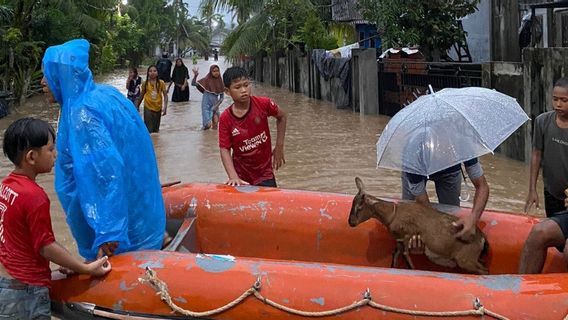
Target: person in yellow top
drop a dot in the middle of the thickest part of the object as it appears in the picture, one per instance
(155, 95)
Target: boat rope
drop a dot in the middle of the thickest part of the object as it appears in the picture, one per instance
(151, 278)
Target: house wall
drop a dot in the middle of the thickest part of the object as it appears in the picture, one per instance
(297, 73)
(478, 28)
(508, 78)
(367, 36)
(529, 82)
(505, 24)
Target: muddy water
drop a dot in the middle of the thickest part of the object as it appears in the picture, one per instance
(325, 149)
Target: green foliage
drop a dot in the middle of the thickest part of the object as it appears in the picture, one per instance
(248, 38)
(314, 35)
(344, 33)
(430, 24)
(273, 25)
(119, 34)
(54, 27)
(12, 36)
(126, 38)
(108, 58)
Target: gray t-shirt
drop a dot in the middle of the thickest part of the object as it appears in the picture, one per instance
(553, 142)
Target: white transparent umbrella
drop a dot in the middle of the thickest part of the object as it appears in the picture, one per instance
(448, 127)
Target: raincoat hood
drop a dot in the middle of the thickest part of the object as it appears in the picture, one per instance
(66, 69)
(106, 174)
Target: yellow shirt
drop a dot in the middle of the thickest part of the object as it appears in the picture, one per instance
(153, 97)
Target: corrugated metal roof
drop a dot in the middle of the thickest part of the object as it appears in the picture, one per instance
(345, 11)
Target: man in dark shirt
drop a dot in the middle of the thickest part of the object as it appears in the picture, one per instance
(164, 66)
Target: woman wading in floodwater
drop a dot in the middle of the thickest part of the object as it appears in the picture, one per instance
(212, 88)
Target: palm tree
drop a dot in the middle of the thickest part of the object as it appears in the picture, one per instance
(243, 9)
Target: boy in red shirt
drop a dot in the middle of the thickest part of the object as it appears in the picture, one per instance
(243, 129)
(27, 243)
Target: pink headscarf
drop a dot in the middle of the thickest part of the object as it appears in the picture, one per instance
(212, 84)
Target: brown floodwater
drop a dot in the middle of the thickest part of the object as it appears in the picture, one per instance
(325, 149)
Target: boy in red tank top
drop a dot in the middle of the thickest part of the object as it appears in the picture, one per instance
(244, 135)
(27, 243)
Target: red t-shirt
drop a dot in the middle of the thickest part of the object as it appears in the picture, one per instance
(249, 138)
(25, 228)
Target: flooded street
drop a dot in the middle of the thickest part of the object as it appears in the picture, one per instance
(325, 149)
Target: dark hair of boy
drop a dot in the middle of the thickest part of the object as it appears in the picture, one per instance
(562, 82)
(232, 74)
(26, 134)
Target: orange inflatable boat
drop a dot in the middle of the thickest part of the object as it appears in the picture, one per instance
(263, 253)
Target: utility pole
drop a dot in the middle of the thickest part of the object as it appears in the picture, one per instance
(178, 6)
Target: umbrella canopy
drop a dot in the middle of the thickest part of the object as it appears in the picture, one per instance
(448, 127)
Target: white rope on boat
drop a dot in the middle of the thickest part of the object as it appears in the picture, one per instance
(161, 288)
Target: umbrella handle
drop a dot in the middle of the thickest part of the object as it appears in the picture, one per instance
(467, 189)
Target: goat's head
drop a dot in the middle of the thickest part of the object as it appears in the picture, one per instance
(361, 208)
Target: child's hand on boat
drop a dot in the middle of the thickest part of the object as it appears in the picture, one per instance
(236, 182)
(99, 267)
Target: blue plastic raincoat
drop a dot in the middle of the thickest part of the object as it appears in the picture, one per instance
(106, 175)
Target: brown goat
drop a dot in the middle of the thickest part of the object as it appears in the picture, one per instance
(406, 219)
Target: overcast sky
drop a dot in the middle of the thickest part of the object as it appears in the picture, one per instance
(194, 10)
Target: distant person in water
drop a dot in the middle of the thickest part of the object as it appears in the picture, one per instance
(133, 85)
(155, 98)
(213, 93)
(244, 135)
(179, 80)
(164, 65)
(106, 174)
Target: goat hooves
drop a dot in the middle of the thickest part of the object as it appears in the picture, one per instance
(400, 248)
(395, 256)
(408, 260)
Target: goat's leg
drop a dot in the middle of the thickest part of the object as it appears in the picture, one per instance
(468, 259)
(396, 253)
(407, 258)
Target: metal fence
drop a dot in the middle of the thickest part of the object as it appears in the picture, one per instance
(401, 82)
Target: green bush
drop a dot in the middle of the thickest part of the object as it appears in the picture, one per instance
(108, 59)
(314, 34)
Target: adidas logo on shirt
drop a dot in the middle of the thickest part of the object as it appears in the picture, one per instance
(235, 132)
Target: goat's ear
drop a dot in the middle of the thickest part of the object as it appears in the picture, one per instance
(359, 184)
(370, 200)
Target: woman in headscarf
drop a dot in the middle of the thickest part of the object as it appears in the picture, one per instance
(212, 88)
(179, 79)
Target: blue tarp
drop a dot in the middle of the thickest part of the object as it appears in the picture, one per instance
(106, 175)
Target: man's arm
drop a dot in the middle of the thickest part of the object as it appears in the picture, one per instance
(278, 153)
(532, 197)
(468, 224)
(227, 160)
